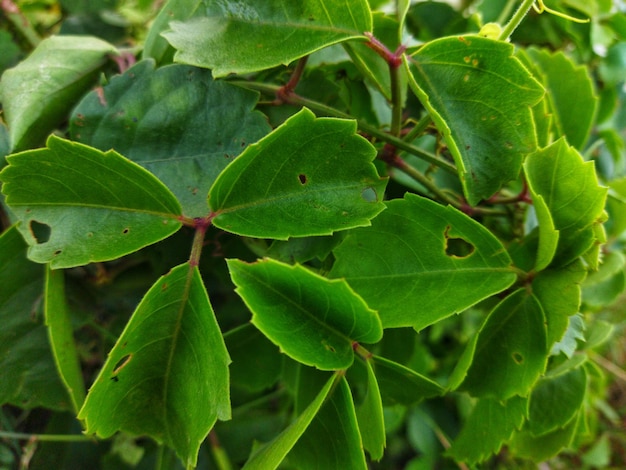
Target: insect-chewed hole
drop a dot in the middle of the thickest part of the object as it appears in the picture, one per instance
(122, 363)
(126, 230)
(302, 178)
(369, 195)
(456, 247)
(40, 231)
(518, 358)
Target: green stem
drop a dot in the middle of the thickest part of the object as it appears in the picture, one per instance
(47, 437)
(516, 19)
(396, 100)
(20, 22)
(202, 226)
(426, 182)
(320, 108)
(418, 129)
(219, 454)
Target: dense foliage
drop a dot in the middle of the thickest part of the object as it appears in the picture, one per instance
(336, 234)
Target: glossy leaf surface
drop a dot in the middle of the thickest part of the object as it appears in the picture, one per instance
(29, 373)
(436, 262)
(175, 121)
(170, 353)
(474, 87)
(278, 31)
(39, 92)
(312, 319)
(309, 177)
(77, 205)
(509, 353)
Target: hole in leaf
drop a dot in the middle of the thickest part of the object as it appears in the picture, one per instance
(457, 247)
(58, 252)
(41, 232)
(126, 230)
(518, 358)
(122, 363)
(369, 195)
(302, 178)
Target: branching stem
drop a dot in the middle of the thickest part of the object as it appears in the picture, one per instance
(46, 437)
(21, 23)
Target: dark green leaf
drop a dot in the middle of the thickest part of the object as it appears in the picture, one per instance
(29, 374)
(248, 35)
(370, 417)
(170, 354)
(474, 87)
(77, 205)
(175, 121)
(540, 448)
(61, 336)
(509, 351)
(490, 424)
(421, 262)
(39, 92)
(312, 319)
(309, 177)
(270, 455)
(399, 384)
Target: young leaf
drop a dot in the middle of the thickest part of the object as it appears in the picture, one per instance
(568, 188)
(335, 430)
(312, 319)
(176, 122)
(249, 36)
(309, 177)
(399, 384)
(77, 205)
(29, 375)
(508, 354)
(370, 417)
(490, 424)
(39, 92)
(570, 94)
(270, 455)
(421, 262)
(167, 375)
(61, 336)
(474, 87)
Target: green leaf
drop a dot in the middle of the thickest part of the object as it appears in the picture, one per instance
(509, 351)
(556, 400)
(175, 121)
(370, 417)
(602, 287)
(29, 373)
(575, 332)
(61, 336)
(309, 177)
(77, 205)
(38, 93)
(170, 354)
(399, 384)
(474, 87)
(312, 319)
(332, 440)
(569, 90)
(490, 424)
(568, 190)
(249, 36)
(270, 455)
(421, 262)
(540, 448)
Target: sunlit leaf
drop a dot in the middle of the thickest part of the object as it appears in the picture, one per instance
(421, 262)
(370, 416)
(312, 319)
(309, 177)
(77, 205)
(474, 87)
(29, 374)
(509, 351)
(40, 91)
(248, 36)
(167, 376)
(175, 121)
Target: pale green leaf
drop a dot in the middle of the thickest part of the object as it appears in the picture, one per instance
(312, 319)
(167, 375)
(40, 91)
(176, 122)
(399, 384)
(490, 424)
(77, 205)
(570, 94)
(574, 201)
(575, 332)
(540, 448)
(61, 336)
(370, 416)
(436, 262)
(270, 455)
(509, 351)
(474, 87)
(29, 373)
(309, 177)
(602, 287)
(247, 36)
